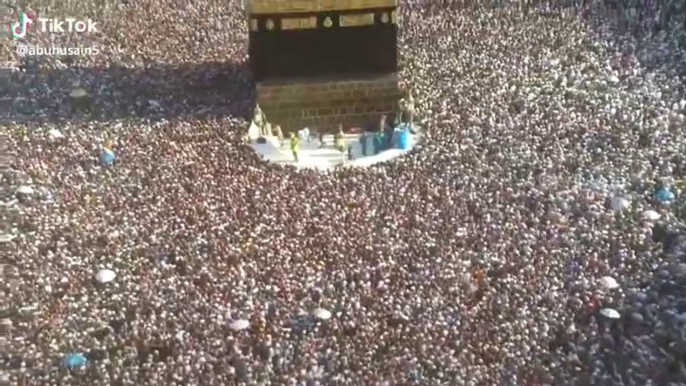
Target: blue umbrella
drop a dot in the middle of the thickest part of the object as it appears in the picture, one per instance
(107, 157)
(75, 360)
(664, 195)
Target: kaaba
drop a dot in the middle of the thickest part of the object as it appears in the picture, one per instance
(321, 63)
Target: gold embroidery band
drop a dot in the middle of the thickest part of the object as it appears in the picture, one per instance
(295, 6)
(299, 23)
(357, 20)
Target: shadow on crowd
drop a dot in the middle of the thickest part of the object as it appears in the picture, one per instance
(646, 22)
(158, 91)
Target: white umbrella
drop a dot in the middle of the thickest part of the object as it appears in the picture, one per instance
(679, 270)
(78, 93)
(6, 237)
(25, 190)
(650, 215)
(105, 276)
(55, 134)
(610, 313)
(620, 203)
(238, 325)
(609, 282)
(322, 314)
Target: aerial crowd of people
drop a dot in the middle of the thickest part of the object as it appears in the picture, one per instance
(534, 238)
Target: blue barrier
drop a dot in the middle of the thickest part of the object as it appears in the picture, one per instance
(404, 138)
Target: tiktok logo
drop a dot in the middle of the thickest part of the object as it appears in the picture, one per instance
(48, 25)
(20, 28)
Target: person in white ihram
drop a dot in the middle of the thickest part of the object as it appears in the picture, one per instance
(279, 134)
(304, 135)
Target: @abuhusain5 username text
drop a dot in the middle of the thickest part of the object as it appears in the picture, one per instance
(34, 50)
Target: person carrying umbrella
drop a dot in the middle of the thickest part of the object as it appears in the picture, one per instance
(295, 146)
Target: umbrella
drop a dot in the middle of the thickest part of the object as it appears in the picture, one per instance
(398, 319)
(105, 276)
(610, 313)
(25, 190)
(78, 93)
(55, 134)
(75, 360)
(6, 237)
(620, 203)
(664, 195)
(609, 282)
(679, 270)
(322, 314)
(239, 324)
(107, 157)
(650, 215)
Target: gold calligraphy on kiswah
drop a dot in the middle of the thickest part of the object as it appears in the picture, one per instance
(357, 20)
(295, 6)
(299, 23)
